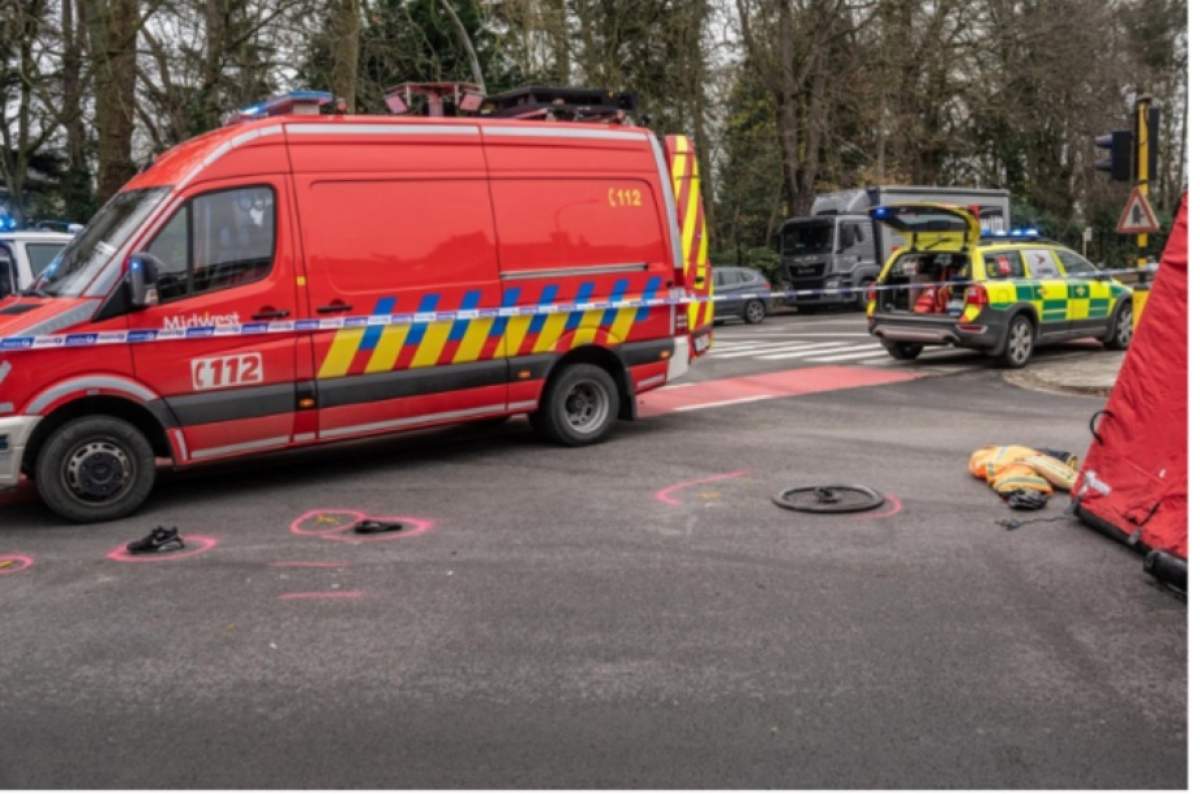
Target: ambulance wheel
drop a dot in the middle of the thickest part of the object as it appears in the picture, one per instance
(1018, 343)
(1122, 329)
(755, 312)
(95, 468)
(904, 351)
(578, 407)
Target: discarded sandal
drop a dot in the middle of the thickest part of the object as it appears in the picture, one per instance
(160, 539)
(371, 526)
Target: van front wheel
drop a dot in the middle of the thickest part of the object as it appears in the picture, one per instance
(579, 406)
(95, 468)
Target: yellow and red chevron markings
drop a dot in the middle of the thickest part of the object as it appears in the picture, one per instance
(386, 347)
(693, 229)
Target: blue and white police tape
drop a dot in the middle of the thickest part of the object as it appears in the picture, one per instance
(320, 324)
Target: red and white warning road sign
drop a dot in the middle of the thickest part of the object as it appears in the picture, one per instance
(1137, 217)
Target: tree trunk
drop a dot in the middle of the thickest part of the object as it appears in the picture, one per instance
(562, 42)
(464, 40)
(789, 113)
(114, 29)
(345, 32)
(77, 188)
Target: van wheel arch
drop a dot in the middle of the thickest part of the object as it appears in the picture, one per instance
(136, 414)
(607, 360)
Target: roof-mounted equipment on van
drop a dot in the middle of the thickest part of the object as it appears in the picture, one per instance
(556, 103)
(434, 99)
(294, 103)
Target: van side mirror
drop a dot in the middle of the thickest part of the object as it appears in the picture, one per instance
(141, 279)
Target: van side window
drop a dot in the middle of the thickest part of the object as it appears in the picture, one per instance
(215, 241)
(1003, 265)
(41, 255)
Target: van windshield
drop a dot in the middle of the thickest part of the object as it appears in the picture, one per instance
(815, 237)
(69, 274)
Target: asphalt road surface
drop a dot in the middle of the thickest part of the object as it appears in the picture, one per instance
(633, 614)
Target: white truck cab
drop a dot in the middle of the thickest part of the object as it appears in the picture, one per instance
(24, 255)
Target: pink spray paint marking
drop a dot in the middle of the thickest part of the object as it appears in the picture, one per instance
(20, 562)
(323, 595)
(893, 506)
(322, 522)
(666, 495)
(346, 519)
(308, 564)
(199, 545)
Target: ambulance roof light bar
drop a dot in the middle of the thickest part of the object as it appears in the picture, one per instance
(296, 103)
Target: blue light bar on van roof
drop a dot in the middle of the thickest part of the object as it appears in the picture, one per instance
(1027, 232)
(307, 103)
(879, 213)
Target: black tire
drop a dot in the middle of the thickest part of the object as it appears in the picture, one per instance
(1018, 343)
(95, 468)
(754, 312)
(903, 351)
(1122, 332)
(579, 406)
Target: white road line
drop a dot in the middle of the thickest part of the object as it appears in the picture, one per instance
(765, 352)
(877, 353)
(755, 398)
(808, 353)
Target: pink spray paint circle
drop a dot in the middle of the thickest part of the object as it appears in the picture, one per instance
(194, 545)
(14, 563)
(338, 525)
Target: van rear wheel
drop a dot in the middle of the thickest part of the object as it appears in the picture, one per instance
(579, 406)
(95, 468)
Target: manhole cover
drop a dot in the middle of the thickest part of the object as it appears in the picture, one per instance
(829, 499)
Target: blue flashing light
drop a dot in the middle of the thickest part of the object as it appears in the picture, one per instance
(282, 104)
(985, 232)
(879, 213)
(1030, 232)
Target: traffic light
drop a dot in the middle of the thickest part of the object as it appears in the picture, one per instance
(1152, 139)
(1119, 162)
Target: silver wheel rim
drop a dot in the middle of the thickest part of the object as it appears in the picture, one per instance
(1125, 326)
(1020, 342)
(754, 311)
(586, 406)
(98, 471)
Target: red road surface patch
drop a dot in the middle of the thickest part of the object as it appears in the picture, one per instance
(765, 386)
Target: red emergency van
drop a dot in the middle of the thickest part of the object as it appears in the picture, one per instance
(294, 279)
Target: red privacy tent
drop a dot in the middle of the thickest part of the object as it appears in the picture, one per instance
(1134, 480)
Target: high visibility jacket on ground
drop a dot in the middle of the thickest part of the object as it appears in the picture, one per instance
(1014, 467)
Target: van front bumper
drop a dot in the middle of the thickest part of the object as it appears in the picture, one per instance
(14, 435)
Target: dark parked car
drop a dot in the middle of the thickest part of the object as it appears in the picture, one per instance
(745, 292)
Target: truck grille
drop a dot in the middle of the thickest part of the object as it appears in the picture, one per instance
(808, 270)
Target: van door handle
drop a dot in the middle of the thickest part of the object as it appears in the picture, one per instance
(334, 308)
(270, 313)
